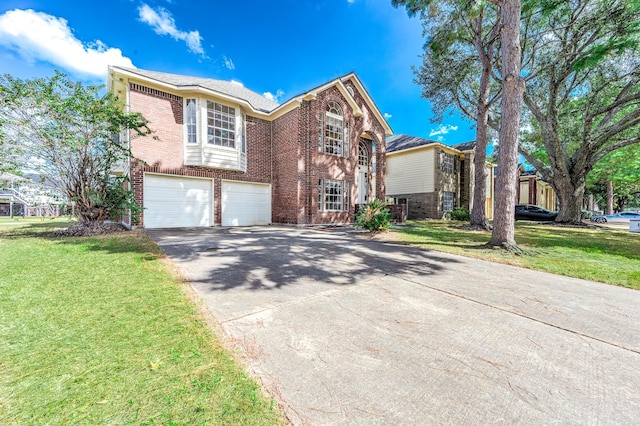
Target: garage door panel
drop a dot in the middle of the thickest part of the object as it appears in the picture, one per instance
(175, 202)
(245, 204)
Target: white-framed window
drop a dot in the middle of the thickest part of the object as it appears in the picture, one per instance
(333, 195)
(333, 131)
(221, 125)
(191, 120)
(448, 199)
(448, 163)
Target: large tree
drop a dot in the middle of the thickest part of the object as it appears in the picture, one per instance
(69, 133)
(513, 87)
(582, 66)
(456, 72)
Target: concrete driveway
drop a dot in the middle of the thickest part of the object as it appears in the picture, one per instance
(345, 330)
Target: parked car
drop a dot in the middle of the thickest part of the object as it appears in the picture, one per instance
(623, 217)
(531, 212)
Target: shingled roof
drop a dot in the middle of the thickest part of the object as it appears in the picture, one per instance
(228, 88)
(465, 146)
(402, 142)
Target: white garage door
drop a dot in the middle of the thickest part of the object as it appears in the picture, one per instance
(177, 202)
(245, 204)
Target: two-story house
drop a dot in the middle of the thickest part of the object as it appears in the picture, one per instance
(432, 178)
(225, 155)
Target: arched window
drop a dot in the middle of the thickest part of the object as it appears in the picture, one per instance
(363, 154)
(333, 130)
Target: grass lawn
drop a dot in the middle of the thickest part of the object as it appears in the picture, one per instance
(99, 331)
(606, 255)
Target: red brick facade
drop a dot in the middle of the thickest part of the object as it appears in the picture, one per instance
(283, 152)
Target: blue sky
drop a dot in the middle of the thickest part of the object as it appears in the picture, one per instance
(278, 48)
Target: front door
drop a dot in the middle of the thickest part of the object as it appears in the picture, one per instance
(363, 173)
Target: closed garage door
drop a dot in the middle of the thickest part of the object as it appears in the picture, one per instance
(245, 204)
(177, 202)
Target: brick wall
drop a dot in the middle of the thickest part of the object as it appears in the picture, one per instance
(422, 205)
(289, 171)
(164, 111)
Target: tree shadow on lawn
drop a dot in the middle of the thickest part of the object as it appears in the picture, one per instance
(271, 258)
(117, 242)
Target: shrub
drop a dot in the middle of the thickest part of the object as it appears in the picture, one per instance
(586, 214)
(374, 216)
(460, 214)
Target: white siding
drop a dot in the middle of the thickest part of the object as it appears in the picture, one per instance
(411, 172)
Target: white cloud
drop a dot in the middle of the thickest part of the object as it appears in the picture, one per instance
(239, 83)
(442, 130)
(228, 63)
(37, 36)
(351, 1)
(387, 116)
(163, 23)
(275, 98)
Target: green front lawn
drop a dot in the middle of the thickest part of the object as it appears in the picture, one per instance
(606, 255)
(99, 331)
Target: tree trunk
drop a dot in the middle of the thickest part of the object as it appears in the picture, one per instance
(478, 206)
(609, 208)
(570, 195)
(503, 234)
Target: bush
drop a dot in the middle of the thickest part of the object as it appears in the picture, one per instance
(586, 214)
(374, 216)
(460, 214)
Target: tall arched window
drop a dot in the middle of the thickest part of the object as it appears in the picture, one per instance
(333, 130)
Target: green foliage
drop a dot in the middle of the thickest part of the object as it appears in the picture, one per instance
(69, 133)
(375, 216)
(622, 169)
(460, 214)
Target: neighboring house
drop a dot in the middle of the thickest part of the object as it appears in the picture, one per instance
(432, 178)
(226, 155)
(533, 190)
(20, 196)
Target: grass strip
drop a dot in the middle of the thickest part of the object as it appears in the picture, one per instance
(605, 255)
(98, 331)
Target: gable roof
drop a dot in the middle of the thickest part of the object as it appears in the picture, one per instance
(235, 90)
(255, 101)
(402, 142)
(339, 84)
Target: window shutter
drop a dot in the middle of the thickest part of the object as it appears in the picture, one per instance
(346, 140)
(321, 132)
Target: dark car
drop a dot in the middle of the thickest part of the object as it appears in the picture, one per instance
(531, 212)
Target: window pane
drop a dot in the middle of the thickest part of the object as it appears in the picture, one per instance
(190, 121)
(221, 122)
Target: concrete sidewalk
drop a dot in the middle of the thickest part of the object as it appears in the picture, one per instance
(344, 330)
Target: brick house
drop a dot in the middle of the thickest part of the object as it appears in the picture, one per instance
(224, 155)
(432, 178)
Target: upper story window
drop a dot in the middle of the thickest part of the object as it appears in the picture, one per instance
(190, 119)
(334, 133)
(448, 163)
(221, 125)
